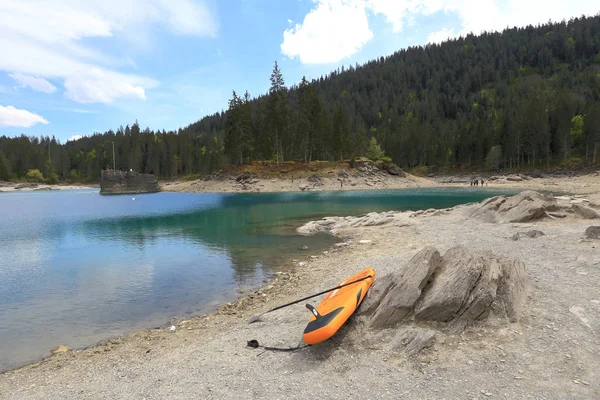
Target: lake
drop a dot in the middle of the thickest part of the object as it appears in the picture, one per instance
(77, 267)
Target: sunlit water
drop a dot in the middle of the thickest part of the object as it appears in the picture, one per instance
(77, 267)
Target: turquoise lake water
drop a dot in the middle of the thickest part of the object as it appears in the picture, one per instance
(77, 267)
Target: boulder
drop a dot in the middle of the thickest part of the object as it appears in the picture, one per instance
(523, 207)
(393, 169)
(316, 180)
(584, 212)
(243, 177)
(59, 349)
(530, 234)
(451, 291)
(129, 182)
(365, 166)
(343, 174)
(394, 295)
(593, 232)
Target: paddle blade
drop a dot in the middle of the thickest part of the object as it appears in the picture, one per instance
(256, 318)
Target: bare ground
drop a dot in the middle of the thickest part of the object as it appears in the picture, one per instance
(265, 180)
(28, 187)
(551, 352)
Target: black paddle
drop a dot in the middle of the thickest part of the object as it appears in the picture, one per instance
(257, 317)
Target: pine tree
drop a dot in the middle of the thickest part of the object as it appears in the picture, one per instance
(278, 112)
(340, 132)
(238, 139)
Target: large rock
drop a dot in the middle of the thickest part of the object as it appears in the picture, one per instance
(593, 232)
(394, 295)
(584, 212)
(523, 207)
(454, 290)
(365, 166)
(119, 182)
(393, 169)
(316, 180)
(244, 177)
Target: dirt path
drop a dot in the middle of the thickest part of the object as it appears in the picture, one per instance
(551, 352)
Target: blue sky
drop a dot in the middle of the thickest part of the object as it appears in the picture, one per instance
(74, 67)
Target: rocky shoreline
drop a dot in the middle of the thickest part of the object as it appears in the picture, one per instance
(334, 180)
(28, 187)
(549, 351)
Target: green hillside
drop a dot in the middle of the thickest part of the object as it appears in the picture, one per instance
(523, 97)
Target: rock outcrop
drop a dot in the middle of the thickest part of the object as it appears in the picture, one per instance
(593, 232)
(450, 291)
(525, 206)
(584, 212)
(331, 224)
(244, 177)
(119, 182)
(316, 180)
(530, 234)
(394, 295)
(393, 169)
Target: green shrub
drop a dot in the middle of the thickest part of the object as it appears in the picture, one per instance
(574, 162)
(52, 179)
(34, 175)
(74, 175)
(494, 158)
(419, 171)
(374, 152)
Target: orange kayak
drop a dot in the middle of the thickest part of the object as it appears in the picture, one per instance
(337, 307)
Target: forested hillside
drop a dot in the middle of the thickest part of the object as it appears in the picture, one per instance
(527, 96)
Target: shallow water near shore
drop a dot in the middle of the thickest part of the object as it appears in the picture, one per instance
(77, 267)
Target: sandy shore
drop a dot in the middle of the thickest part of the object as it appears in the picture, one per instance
(551, 352)
(328, 183)
(28, 187)
(577, 184)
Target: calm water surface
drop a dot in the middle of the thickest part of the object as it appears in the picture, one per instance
(77, 267)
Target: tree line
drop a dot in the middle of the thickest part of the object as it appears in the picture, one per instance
(523, 97)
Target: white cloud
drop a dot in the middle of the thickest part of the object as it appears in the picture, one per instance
(36, 83)
(440, 36)
(45, 40)
(10, 116)
(74, 138)
(336, 29)
(332, 31)
(100, 86)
